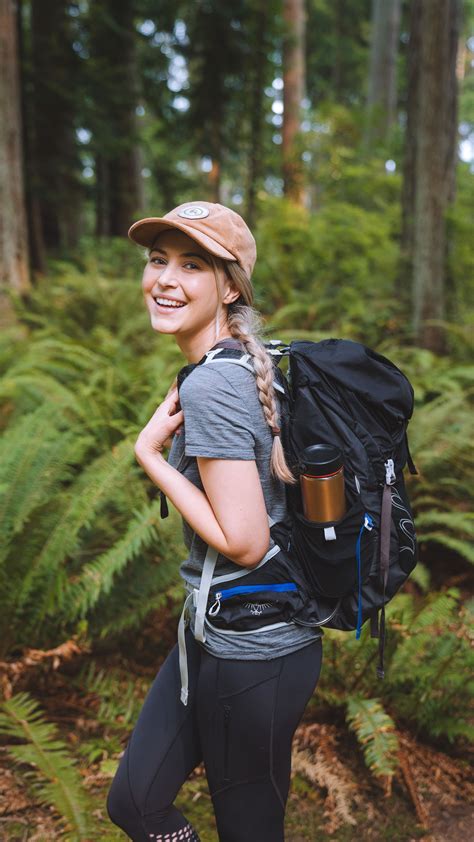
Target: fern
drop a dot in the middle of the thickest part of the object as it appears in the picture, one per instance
(36, 459)
(94, 485)
(54, 777)
(375, 730)
(97, 577)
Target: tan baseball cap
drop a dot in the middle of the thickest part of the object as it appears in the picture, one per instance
(218, 229)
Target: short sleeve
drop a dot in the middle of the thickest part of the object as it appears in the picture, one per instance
(217, 423)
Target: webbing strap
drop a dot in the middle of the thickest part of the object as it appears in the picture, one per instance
(201, 605)
(385, 521)
(205, 584)
(183, 660)
(242, 361)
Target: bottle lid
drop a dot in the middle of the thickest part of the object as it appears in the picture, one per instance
(320, 459)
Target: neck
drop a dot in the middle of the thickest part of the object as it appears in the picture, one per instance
(193, 348)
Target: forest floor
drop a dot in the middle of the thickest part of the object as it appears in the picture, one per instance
(333, 796)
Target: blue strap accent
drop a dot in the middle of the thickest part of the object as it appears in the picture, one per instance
(367, 524)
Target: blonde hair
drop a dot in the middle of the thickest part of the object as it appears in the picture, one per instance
(245, 324)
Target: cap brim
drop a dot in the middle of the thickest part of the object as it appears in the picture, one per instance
(145, 231)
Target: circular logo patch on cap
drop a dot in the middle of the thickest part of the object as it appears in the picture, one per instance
(194, 212)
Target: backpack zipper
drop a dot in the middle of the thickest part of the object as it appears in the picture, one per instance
(390, 476)
(221, 596)
(367, 524)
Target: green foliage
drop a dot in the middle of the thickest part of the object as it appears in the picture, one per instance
(83, 540)
(52, 771)
(322, 266)
(113, 703)
(428, 664)
(375, 730)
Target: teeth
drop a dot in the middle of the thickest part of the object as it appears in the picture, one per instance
(165, 302)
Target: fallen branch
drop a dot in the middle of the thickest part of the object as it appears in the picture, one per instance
(12, 671)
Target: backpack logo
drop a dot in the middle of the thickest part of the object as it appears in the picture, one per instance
(194, 212)
(257, 608)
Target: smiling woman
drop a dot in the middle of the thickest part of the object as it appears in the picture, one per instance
(230, 698)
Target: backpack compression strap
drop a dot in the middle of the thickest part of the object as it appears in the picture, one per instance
(385, 522)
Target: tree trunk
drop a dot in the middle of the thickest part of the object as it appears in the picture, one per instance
(409, 168)
(293, 94)
(55, 191)
(114, 122)
(256, 111)
(14, 268)
(382, 87)
(434, 158)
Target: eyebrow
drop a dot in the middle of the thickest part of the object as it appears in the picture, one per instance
(184, 254)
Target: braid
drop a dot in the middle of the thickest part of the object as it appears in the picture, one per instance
(244, 324)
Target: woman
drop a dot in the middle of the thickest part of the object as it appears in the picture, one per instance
(244, 695)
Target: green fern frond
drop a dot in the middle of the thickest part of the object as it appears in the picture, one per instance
(463, 548)
(375, 731)
(461, 521)
(54, 776)
(421, 576)
(36, 460)
(88, 493)
(97, 577)
(438, 610)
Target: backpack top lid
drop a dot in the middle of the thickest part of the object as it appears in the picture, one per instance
(354, 366)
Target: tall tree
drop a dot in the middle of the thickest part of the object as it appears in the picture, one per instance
(216, 59)
(54, 177)
(14, 269)
(429, 169)
(114, 95)
(293, 93)
(336, 50)
(382, 87)
(256, 105)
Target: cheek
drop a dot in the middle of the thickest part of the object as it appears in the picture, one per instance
(203, 292)
(147, 279)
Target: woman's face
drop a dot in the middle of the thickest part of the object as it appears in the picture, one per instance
(180, 274)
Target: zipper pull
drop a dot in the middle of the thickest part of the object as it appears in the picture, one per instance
(216, 607)
(389, 472)
(368, 522)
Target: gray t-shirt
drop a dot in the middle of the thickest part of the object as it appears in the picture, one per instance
(224, 419)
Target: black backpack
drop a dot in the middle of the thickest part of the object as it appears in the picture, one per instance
(341, 392)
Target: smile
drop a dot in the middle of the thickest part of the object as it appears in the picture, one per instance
(168, 304)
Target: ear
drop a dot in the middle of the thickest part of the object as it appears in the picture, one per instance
(231, 295)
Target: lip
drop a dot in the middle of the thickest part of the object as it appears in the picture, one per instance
(162, 309)
(169, 298)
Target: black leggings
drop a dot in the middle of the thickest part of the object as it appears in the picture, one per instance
(240, 719)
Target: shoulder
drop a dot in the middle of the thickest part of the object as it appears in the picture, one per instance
(221, 378)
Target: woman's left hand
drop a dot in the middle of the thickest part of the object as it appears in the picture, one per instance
(161, 426)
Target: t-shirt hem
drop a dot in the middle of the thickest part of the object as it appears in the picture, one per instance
(264, 654)
(214, 453)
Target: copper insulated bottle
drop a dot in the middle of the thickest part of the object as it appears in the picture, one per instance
(322, 483)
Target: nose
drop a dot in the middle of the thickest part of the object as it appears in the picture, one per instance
(168, 275)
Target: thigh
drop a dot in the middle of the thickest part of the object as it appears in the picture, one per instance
(164, 746)
(248, 712)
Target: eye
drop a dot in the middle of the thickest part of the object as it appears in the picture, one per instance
(194, 265)
(155, 259)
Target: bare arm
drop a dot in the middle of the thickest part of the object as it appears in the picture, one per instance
(230, 514)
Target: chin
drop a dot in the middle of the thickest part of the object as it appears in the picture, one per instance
(160, 327)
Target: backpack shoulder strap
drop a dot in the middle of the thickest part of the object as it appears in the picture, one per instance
(245, 360)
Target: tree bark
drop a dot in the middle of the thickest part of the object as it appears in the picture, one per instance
(55, 190)
(293, 94)
(433, 133)
(114, 121)
(256, 111)
(14, 266)
(382, 87)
